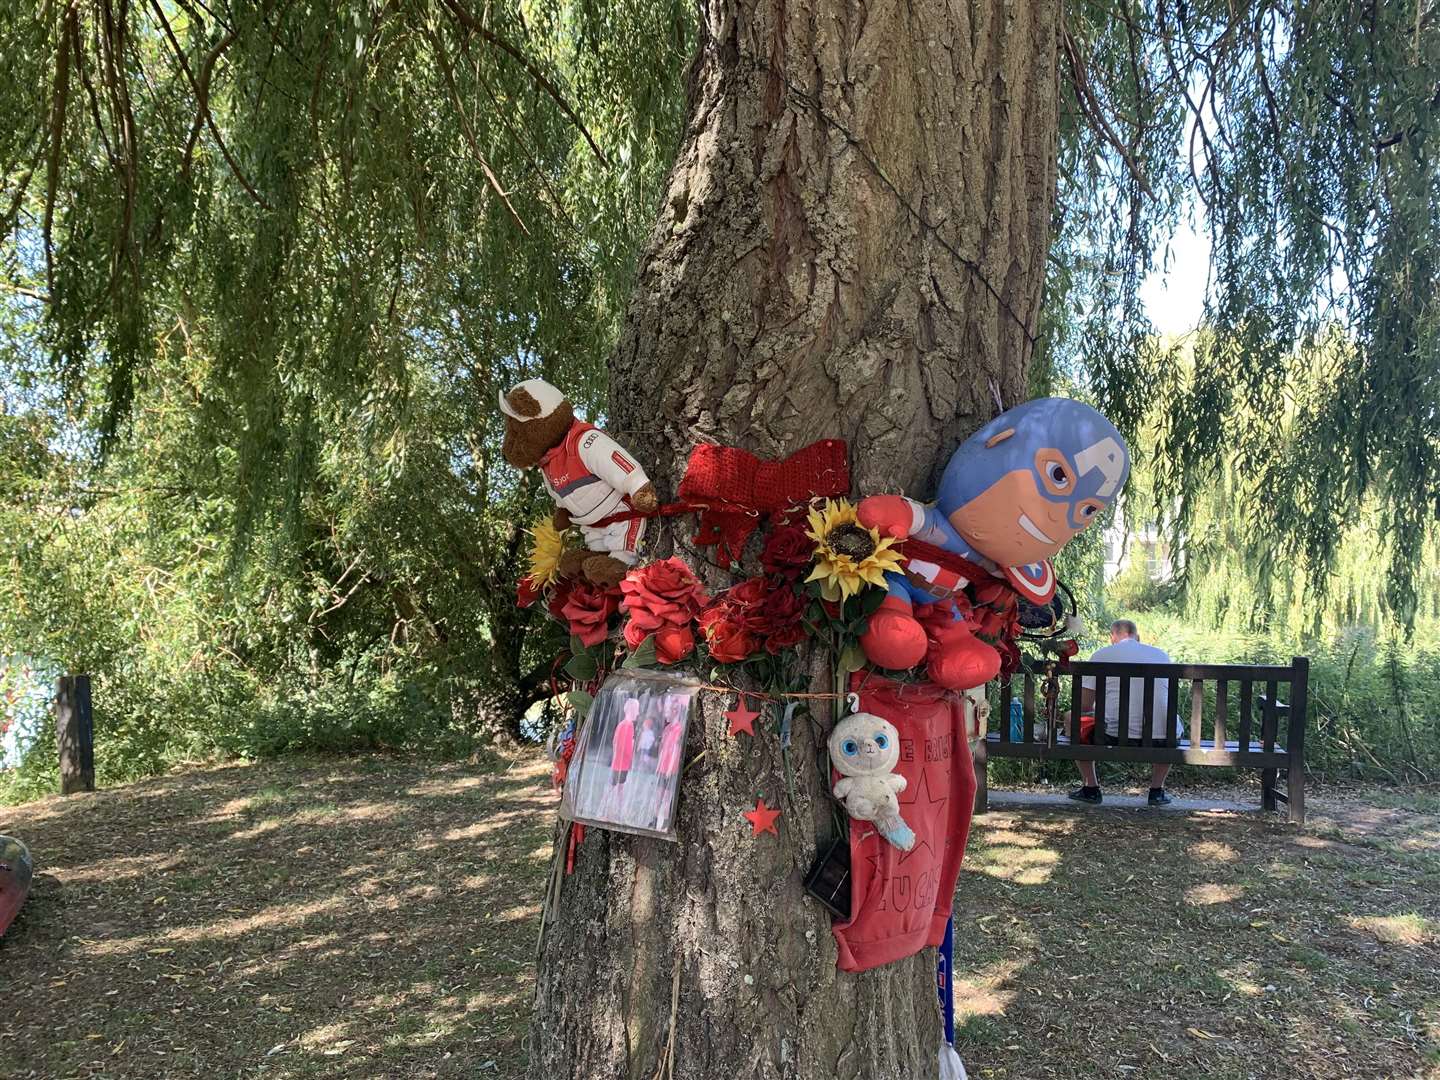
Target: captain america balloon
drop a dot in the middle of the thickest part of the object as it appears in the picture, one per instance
(1012, 495)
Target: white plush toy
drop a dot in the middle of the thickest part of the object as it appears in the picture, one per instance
(864, 749)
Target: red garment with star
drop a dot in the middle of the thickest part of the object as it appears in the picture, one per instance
(900, 900)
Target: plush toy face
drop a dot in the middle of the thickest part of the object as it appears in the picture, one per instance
(864, 744)
(1031, 479)
(532, 425)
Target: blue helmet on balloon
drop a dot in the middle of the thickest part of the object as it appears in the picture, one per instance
(1032, 478)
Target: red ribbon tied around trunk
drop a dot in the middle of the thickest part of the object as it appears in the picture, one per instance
(732, 489)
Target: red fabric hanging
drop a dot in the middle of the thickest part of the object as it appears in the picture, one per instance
(901, 900)
(732, 490)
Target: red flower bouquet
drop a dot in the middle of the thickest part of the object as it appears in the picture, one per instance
(662, 599)
(757, 614)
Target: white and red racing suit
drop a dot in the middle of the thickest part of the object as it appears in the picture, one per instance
(592, 477)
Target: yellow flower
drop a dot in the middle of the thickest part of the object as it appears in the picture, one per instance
(848, 556)
(545, 552)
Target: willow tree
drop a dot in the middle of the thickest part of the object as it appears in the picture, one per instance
(883, 222)
(263, 269)
(854, 242)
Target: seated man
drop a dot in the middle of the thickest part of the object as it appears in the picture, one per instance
(1126, 648)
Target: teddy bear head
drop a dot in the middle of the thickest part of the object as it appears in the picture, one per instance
(537, 417)
(863, 744)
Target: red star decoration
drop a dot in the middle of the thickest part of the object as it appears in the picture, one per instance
(741, 717)
(762, 818)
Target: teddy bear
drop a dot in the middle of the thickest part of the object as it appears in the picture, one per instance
(864, 750)
(589, 475)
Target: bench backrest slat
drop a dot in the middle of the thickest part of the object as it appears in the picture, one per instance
(1147, 712)
(1196, 726)
(1271, 717)
(1101, 685)
(1075, 690)
(1172, 710)
(1222, 706)
(1246, 696)
(1122, 728)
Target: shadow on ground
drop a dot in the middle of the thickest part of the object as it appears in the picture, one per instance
(377, 918)
(1141, 945)
(373, 918)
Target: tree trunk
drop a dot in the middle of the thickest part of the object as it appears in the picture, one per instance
(852, 244)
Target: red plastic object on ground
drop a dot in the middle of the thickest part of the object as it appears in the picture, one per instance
(15, 872)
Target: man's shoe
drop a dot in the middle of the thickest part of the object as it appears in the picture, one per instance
(1159, 797)
(1088, 795)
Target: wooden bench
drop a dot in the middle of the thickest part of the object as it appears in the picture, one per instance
(1248, 726)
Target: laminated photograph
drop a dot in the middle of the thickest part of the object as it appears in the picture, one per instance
(626, 771)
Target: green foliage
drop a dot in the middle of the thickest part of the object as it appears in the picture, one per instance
(1307, 146)
(265, 277)
(265, 271)
(1134, 589)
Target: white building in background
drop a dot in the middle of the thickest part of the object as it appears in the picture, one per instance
(1126, 542)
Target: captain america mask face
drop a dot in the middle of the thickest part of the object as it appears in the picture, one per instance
(1029, 481)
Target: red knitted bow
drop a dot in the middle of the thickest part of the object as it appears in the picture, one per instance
(732, 488)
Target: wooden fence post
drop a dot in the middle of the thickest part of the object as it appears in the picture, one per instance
(1299, 706)
(75, 734)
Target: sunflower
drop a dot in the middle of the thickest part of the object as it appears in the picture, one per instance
(545, 553)
(848, 556)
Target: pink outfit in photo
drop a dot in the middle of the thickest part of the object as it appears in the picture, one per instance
(671, 747)
(623, 746)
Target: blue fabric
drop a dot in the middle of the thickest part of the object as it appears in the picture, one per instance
(944, 970)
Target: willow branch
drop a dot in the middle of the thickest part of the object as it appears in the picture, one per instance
(476, 26)
(57, 135)
(469, 133)
(1090, 108)
(201, 99)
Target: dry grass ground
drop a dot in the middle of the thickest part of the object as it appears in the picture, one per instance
(376, 918)
(370, 918)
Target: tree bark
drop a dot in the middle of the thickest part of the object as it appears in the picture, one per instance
(852, 244)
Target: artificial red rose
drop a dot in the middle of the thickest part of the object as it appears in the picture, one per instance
(588, 609)
(555, 601)
(788, 552)
(728, 640)
(781, 619)
(664, 593)
(758, 613)
(673, 644)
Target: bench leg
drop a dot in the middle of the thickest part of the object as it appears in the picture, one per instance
(1295, 788)
(982, 785)
(1268, 778)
